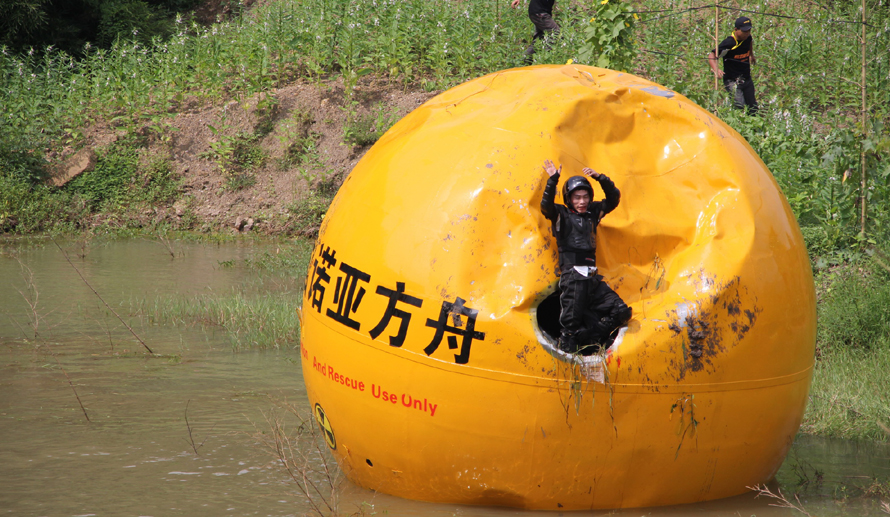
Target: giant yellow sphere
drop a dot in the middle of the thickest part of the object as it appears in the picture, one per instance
(428, 335)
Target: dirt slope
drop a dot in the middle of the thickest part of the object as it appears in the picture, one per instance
(218, 195)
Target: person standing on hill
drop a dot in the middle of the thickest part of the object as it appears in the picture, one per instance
(541, 14)
(737, 52)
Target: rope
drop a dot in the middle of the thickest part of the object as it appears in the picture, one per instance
(758, 13)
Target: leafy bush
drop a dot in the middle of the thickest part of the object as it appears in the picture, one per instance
(608, 38)
(247, 155)
(235, 154)
(159, 184)
(29, 208)
(26, 204)
(853, 312)
(243, 156)
(109, 183)
(825, 241)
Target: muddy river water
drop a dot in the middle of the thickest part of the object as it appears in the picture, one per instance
(175, 433)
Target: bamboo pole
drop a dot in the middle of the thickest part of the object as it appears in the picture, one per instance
(864, 120)
(716, 38)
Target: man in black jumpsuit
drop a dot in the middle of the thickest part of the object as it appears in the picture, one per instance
(541, 14)
(737, 52)
(589, 309)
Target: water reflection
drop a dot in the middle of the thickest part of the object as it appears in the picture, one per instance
(139, 456)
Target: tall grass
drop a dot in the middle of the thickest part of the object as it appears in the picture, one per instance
(854, 313)
(259, 313)
(849, 395)
(850, 385)
(250, 321)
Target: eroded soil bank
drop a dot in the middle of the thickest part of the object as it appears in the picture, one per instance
(268, 163)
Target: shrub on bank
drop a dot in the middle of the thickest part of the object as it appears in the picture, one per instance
(30, 208)
(854, 312)
(124, 179)
(848, 397)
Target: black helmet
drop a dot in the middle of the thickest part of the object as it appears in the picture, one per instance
(573, 184)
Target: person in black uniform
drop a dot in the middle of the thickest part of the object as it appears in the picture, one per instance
(737, 52)
(589, 309)
(541, 14)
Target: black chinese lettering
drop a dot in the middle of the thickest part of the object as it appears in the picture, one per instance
(345, 295)
(320, 277)
(455, 310)
(394, 297)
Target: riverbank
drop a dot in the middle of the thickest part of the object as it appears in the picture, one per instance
(267, 164)
(848, 397)
(187, 132)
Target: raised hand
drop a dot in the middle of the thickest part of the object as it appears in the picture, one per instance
(551, 169)
(591, 173)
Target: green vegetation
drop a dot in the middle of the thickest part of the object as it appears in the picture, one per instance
(309, 211)
(848, 398)
(260, 313)
(363, 130)
(823, 126)
(69, 24)
(849, 395)
(267, 108)
(299, 141)
(255, 321)
(237, 157)
(609, 37)
(822, 76)
(816, 132)
(125, 180)
(122, 177)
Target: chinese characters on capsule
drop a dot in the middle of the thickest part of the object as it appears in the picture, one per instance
(347, 290)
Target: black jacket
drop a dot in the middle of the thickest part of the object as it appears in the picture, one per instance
(540, 7)
(576, 233)
(736, 58)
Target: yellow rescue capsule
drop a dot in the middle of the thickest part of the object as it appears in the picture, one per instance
(428, 335)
